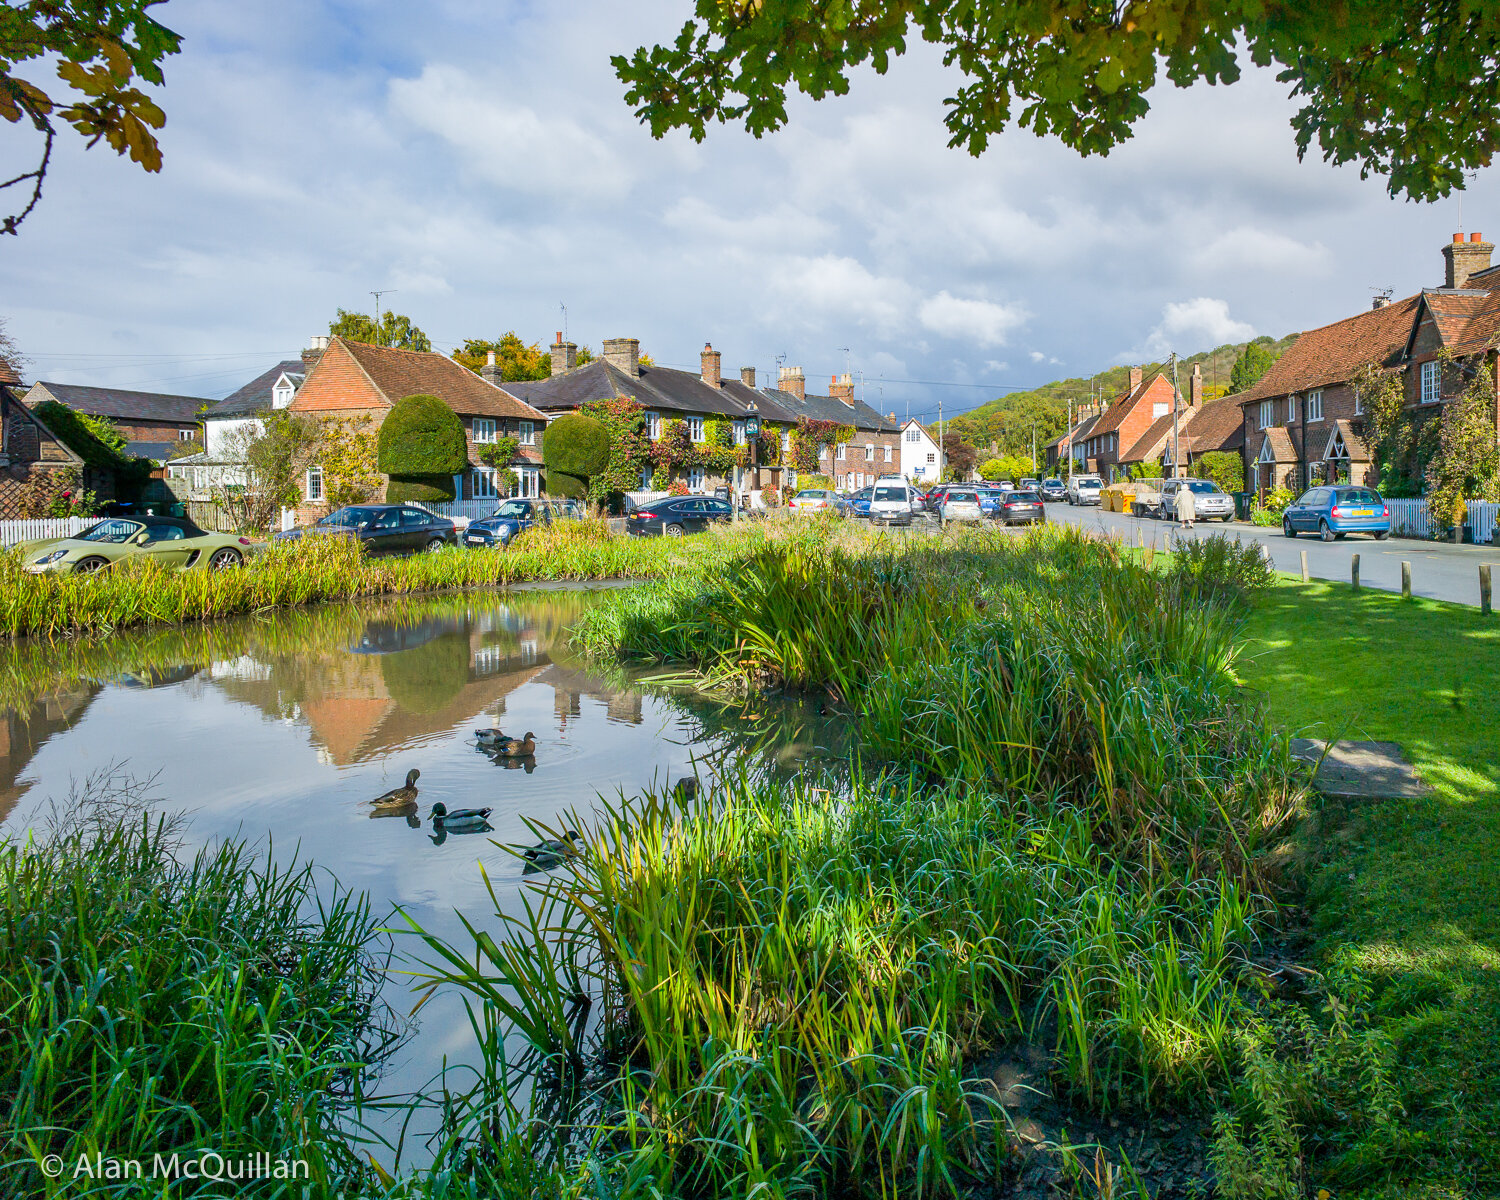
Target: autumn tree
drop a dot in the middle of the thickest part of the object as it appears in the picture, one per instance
(1081, 70)
(97, 50)
(1466, 464)
(517, 361)
(1254, 361)
(10, 353)
(394, 330)
(959, 455)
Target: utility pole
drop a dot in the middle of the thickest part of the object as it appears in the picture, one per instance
(564, 308)
(942, 453)
(1176, 404)
(377, 295)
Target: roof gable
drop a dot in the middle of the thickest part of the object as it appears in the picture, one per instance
(255, 396)
(1125, 403)
(1336, 353)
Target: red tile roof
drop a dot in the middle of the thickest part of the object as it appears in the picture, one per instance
(1217, 425)
(1336, 353)
(1467, 322)
(1121, 406)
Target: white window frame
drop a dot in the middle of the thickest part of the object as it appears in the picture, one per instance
(528, 483)
(695, 477)
(281, 397)
(913, 435)
(527, 434)
(653, 425)
(482, 429)
(786, 441)
(482, 484)
(1291, 410)
(739, 433)
(869, 452)
(1359, 403)
(931, 457)
(695, 429)
(1266, 415)
(888, 453)
(1432, 382)
(842, 452)
(314, 482)
(1314, 406)
(186, 435)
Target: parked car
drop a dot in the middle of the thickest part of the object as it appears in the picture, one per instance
(857, 504)
(171, 541)
(1053, 489)
(382, 528)
(813, 500)
(894, 503)
(510, 518)
(960, 504)
(1084, 489)
(1333, 511)
(675, 516)
(1022, 508)
(1028, 485)
(1210, 501)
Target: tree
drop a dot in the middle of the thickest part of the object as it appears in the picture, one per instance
(278, 455)
(1254, 361)
(98, 49)
(1467, 461)
(421, 446)
(992, 469)
(575, 448)
(394, 330)
(1081, 70)
(1224, 468)
(10, 353)
(517, 361)
(960, 456)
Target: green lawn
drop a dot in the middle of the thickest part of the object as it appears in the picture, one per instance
(1408, 893)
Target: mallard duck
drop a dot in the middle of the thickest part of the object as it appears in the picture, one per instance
(440, 831)
(515, 747)
(459, 819)
(399, 808)
(685, 788)
(397, 798)
(492, 735)
(553, 851)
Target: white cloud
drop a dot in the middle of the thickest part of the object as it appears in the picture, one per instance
(1246, 248)
(1188, 326)
(833, 287)
(979, 321)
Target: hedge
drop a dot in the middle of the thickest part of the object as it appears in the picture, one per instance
(576, 445)
(422, 489)
(422, 436)
(566, 487)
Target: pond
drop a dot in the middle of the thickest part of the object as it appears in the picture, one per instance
(281, 730)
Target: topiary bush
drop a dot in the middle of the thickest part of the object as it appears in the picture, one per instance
(422, 489)
(566, 487)
(576, 445)
(422, 436)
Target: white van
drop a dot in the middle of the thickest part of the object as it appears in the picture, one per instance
(892, 502)
(1084, 489)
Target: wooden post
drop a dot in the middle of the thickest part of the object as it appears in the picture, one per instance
(1406, 581)
(1304, 566)
(1484, 589)
(1354, 571)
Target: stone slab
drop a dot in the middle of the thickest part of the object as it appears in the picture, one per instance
(1361, 770)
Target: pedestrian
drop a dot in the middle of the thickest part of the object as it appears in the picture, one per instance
(1185, 508)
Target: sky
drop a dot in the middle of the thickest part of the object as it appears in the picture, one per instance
(477, 161)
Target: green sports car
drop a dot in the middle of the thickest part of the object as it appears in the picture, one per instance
(169, 540)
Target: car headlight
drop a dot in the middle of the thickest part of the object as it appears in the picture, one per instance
(51, 558)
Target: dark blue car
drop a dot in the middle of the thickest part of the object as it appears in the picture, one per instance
(502, 525)
(1333, 510)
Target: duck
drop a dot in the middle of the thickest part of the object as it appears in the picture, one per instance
(515, 747)
(460, 819)
(407, 808)
(441, 831)
(685, 788)
(492, 735)
(547, 854)
(398, 798)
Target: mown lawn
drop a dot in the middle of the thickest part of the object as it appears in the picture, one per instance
(1408, 892)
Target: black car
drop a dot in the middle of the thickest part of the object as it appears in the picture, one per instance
(383, 528)
(511, 517)
(1022, 507)
(677, 515)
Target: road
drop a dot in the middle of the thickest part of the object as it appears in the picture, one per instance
(1438, 570)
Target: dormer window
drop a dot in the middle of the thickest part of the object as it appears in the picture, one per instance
(282, 392)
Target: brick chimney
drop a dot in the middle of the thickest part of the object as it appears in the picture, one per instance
(1195, 387)
(1464, 259)
(624, 354)
(792, 381)
(490, 372)
(842, 388)
(747, 376)
(709, 365)
(1135, 378)
(564, 355)
(314, 351)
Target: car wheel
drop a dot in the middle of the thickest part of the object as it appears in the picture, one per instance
(1324, 532)
(436, 543)
(1286, 527)
(224, 558)
(674, 530)
(1382, 535)
(87, 566)
(1227, 517)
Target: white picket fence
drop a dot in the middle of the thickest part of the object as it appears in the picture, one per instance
(12, 532)
(1409, 519)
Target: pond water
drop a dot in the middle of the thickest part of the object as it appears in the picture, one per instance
(282, 729)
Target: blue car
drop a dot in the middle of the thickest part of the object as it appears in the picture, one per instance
(502, 525)
(1336, 509)
(859, 502)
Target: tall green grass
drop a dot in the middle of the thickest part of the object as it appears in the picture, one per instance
(153, 1004)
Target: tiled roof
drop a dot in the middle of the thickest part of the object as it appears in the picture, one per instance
(1217, 425)
(1281, 444)
(1353, 443)
(1468, 321)
(1085, 428)
(255, 396)
(158, 451)
(119, 404)
(1157, 437)
(831, 408)
(1120, 408)
(398, 373)
(1336, 353)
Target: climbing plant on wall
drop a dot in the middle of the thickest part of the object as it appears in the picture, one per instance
(809, 438)
(629, 447)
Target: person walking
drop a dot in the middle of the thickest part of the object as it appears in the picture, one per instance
(1185, 508)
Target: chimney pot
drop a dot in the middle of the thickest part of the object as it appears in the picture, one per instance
(1135, 378)
(314, 351)
(1465, 259)
(1476, 237)
(564, 355)
(624, 354)
(1458, 237)
(792, 381)
(747, 376)
(709, 366)
(841, 387)
(490, 372)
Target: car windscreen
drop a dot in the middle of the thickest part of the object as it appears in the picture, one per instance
(114, 532)
(350, 518)
(1202, 487)
(1022, 498)
(1357, 496)
(811, 495)
(963, 498)
(890, 493)
(1089, 483)
(513, 508)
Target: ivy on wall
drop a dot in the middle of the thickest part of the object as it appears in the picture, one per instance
(629, 447)
(347, 454)
(809, 438)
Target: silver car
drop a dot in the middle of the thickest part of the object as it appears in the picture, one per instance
(1210, 502)
(892, 503)
(960, 504)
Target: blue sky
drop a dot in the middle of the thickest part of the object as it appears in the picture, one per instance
(479, 160)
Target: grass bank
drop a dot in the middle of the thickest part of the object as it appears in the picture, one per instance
(1406, 905)
(1059, 837)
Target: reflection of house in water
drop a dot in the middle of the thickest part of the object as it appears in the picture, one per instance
(569, 686)
(22, 735)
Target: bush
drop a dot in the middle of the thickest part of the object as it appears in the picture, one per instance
(1223, 468)
(576, 445)
(565, 486)
(421, 436)
(420, 489)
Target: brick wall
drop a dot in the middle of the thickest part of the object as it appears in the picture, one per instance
(152, 431)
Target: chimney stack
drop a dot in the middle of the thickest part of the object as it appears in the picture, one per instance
(1464, 259)
(747, 376)
(314, 351)
(709, 365)
(792, 381)
(564, 355)
(1135, 378)
(1195, 387)
(842, 388)
(624, 354)
(490, 372)
(1380, 301)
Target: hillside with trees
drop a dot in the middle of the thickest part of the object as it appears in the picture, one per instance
(1006, 423)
